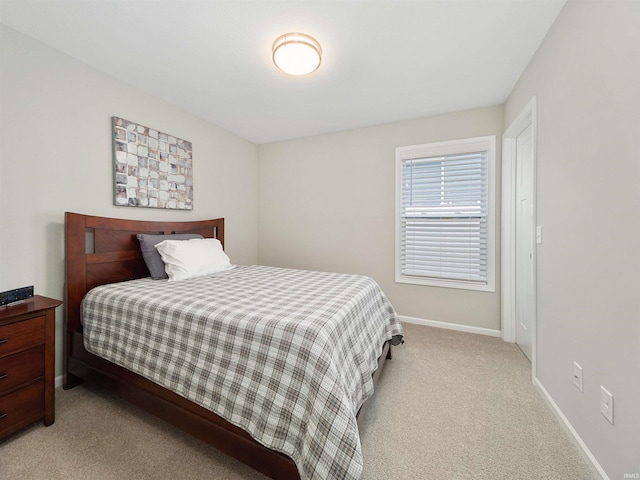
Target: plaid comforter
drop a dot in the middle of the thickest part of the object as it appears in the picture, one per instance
(287, 355)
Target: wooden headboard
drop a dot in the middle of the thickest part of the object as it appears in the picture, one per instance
(102, 250)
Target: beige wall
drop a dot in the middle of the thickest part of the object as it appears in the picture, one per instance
(586, 78)
(328, 203)
(55, 156)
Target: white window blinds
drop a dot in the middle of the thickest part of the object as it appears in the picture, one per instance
(444, 217)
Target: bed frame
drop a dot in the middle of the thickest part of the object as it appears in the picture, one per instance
(103, 250)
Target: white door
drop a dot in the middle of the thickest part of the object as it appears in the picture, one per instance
(524, 242)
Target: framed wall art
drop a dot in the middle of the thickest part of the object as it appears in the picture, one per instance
(151, 168)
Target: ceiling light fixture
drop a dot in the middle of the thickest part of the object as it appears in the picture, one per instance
(296, 53)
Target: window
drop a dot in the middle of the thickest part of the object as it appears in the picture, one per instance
(445, 222)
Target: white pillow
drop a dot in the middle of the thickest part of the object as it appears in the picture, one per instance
(184, 259)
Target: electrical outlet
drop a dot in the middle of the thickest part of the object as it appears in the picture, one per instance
(577, 376)
(606, 404)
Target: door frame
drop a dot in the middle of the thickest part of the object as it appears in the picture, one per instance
(528, 116)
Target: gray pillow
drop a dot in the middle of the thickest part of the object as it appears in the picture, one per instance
(152, 257)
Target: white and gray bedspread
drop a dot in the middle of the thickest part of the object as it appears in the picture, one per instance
(287, 355)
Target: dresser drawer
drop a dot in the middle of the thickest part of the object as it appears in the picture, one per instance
(21, 407)
(21, 335)
(21, 367)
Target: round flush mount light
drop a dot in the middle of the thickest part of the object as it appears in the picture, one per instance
(296, 53)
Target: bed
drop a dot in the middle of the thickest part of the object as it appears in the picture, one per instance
(104, 260)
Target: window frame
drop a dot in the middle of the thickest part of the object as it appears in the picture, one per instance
(451, 147)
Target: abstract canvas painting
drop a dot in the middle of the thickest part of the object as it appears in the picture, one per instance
(151, 168)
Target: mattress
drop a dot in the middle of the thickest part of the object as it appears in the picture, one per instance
(287, 355)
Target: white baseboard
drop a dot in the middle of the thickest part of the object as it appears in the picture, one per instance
(58, 381)
(591, 460)
(452, 326)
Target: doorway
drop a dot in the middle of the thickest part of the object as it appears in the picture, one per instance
(519, 232)
(524, 228)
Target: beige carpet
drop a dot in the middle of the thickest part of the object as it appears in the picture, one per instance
(449, 405)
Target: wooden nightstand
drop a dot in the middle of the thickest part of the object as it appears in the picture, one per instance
(27, 363)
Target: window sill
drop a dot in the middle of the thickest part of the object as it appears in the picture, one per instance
(433, 282)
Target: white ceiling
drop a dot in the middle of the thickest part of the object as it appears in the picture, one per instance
(383, 61)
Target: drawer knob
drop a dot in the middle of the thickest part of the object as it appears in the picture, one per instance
(3, 340)
(3, 376)
(3, 414)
